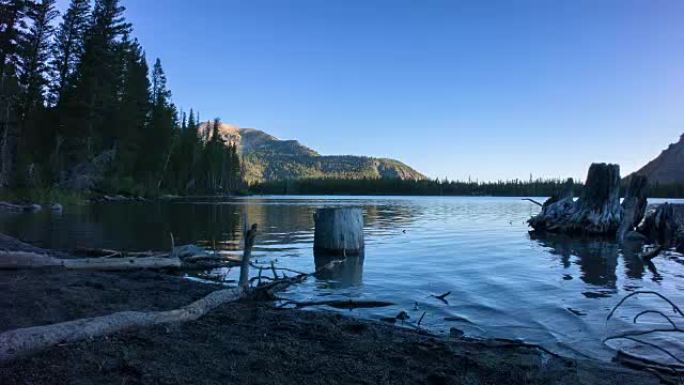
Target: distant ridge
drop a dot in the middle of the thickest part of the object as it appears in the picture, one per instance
(668, 167)
(267, 158)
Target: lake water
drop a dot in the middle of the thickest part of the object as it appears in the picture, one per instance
(503, 282)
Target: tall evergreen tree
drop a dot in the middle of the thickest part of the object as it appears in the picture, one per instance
(159, 133)
(134, 107)
(12, 25)
(33, 140)
(34, 56)
(69, 45)
(88, 117)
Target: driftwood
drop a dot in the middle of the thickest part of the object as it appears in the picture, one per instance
(115, 262)
(187, 257)
(29, 260)
(676, 368)
(21, 342)
(30, 207)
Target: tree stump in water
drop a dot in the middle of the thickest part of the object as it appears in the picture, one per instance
(596, 212)
(665, 226)
(338, 232)
(633, 206)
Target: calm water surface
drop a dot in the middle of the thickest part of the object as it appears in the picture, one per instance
(503, 281)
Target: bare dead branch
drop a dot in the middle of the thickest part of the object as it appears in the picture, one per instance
(674, 307)
(533, 201)
(636, 317)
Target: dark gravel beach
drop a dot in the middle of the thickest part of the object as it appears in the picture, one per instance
(253, 342)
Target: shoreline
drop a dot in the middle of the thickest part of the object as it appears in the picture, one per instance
(253, 342)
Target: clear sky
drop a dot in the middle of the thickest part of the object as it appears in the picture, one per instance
(487, 89)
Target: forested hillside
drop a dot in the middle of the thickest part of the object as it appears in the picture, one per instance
(81, 110)
(267, 158)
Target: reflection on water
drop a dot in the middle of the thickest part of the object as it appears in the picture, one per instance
(348, 272)
(597, 257)
(504, 281)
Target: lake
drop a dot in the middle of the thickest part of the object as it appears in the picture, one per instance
(504, 282)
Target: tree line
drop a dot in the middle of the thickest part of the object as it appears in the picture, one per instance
(80, 108)
(396, 186)
(387, 186)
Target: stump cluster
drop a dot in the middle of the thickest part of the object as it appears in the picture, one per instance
(598, 211)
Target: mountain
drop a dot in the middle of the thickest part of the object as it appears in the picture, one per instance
(668, 167)
(267, 158)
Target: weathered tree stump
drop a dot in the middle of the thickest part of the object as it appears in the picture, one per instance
(633, 206)
(250, 235)
(596, 212)
(665, 226)
(338, 232)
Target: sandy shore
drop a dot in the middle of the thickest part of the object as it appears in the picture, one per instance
(254, 343)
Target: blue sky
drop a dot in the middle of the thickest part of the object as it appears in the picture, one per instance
(487, 89)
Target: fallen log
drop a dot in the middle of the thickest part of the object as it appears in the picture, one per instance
(188, 257)
(31, 207)
(596, 212)
(30, 260)
(21, 342)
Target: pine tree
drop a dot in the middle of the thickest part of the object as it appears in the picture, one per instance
(88, 116)
(33, 68)
(34, 55)
(12, 25)
(133, 109)
(69, 45)
(159, 133)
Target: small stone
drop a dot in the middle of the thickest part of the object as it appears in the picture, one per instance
(456, 333)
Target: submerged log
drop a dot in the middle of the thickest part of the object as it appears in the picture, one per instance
(633, 206)
(339, 231)
(596, 212)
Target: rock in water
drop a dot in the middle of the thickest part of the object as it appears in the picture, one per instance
(596, 212)
(56, 207)
(339, 231)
